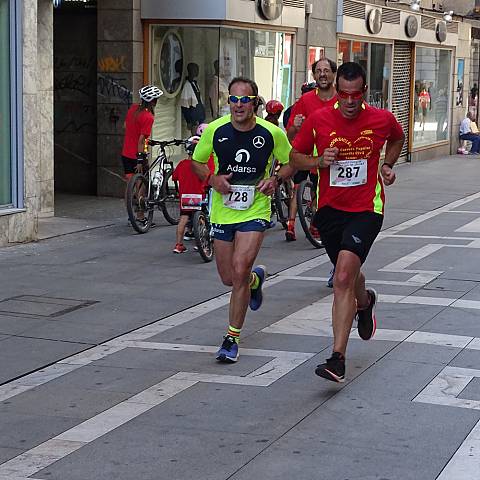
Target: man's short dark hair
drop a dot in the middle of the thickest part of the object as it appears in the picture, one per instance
(351, 71)
(333, 65)
(252, 84)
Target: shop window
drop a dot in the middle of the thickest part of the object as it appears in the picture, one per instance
(263, 56)
(211, 57)
(432, 96)
(5, 107)
(184, 65)
(314, 54)
(474, 76)
(376, 59)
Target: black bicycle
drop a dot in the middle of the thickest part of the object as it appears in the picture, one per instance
(281, 202)
(306, 203)
(155, 188)
(202, 229)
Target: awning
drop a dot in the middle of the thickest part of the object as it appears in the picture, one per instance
(245, 11)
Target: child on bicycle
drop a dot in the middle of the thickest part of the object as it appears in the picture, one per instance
(191, 190)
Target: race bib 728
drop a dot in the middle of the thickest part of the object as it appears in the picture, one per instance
(240, 197)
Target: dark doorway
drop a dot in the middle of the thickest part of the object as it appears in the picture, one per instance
(75, 100)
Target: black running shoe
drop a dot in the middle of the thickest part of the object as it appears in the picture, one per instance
(366, 321)
(333, 369)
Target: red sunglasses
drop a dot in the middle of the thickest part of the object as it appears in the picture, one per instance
(358, 95)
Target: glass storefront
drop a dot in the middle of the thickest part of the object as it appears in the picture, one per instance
(5, 117)
(194, 65)
(474, 76)
(432, 96)
(376, 59)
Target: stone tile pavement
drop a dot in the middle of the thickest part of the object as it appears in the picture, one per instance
(107, 343)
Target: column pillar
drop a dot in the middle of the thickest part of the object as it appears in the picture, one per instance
(119, 76)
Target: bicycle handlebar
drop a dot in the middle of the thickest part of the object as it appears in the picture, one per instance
(166, 143)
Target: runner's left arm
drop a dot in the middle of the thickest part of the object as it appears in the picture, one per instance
(393, 149)
(281, 152)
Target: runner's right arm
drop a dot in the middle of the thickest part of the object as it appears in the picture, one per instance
(296, 120)
(303, 144)
(200, 157)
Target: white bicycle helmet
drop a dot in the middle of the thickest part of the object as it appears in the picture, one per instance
(149, 93)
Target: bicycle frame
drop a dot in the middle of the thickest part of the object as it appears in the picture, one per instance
(163, 163)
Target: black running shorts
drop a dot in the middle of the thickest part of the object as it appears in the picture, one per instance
(302, 175)
(352, 231)
(129, 165)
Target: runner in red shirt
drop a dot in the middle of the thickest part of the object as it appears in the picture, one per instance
(322, 96)
(349, 138)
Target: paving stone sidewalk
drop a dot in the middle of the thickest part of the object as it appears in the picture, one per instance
(107, 342)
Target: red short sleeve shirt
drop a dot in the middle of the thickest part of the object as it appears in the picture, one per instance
(307, 104)
(136, 125)
(188, 182)
(361, 138)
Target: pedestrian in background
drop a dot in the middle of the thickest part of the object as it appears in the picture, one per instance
(466, 133)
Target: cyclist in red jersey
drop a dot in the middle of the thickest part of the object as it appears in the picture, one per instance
(349, 138)
(138, 128)
(322, 96)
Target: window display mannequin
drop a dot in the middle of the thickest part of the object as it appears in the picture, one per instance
(193, 110)
(424, 103)
(218, 93)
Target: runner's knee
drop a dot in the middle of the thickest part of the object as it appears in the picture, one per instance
(227, 282)
(344, 280)
(240, 273)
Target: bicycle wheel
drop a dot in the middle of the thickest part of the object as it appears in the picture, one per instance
(139, 212)
(170, 199)
(306, 210)
(203, 240)
(282, 202)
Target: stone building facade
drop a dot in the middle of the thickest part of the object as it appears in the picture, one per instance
(66, 95)
(27, 102)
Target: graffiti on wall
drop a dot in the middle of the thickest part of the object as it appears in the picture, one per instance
(108, 86)
(112, 64)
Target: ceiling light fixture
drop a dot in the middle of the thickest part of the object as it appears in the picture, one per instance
(415, 5)
(447, 16)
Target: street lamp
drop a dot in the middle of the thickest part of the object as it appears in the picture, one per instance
(447, 16)
(415, 5)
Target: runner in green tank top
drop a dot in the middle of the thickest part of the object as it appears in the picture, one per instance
(243, 147)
